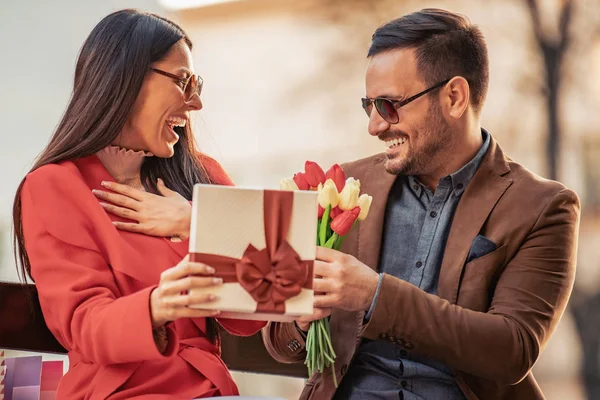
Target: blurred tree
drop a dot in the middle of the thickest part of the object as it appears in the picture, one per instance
(554, 42)
(553, 47)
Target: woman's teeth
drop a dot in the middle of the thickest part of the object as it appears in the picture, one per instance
(176, 121)
(395, 142)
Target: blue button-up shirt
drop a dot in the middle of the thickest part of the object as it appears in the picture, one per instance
(416, 227)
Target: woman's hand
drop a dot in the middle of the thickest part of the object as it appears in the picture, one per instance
(170, 300)
(166, 216)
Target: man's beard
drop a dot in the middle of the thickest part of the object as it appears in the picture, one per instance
(435, 136)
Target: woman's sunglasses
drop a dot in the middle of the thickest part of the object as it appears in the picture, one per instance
(388, 109)
(191, 85)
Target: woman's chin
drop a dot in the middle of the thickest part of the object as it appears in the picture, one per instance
(166, 150)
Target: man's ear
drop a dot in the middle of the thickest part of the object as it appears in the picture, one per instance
(455, 96)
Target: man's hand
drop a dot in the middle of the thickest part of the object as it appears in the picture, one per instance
(344, 282)
(318, 313)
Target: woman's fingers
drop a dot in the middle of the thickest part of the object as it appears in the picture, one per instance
(120, 211)
(195, 313)
(164, 190)
(174, 310)
(116, 199)
(189, 299)
(131, 227)
(124, 190)
(188, 283)
(185, 268)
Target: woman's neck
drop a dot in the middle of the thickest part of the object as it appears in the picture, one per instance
(123, 165)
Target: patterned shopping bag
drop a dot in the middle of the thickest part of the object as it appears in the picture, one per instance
(52, 372)
(23, 378)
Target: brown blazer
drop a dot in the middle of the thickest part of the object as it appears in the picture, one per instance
(493, 316)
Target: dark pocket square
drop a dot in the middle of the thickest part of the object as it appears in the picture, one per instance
(480, 247)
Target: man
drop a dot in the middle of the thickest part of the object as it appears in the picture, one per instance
(452, 286)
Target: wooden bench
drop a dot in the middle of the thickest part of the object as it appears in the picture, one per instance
(22, 327)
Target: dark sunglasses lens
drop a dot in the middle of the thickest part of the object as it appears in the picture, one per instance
(387, 110)
(367, 105)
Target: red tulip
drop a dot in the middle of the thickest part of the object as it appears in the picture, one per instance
(300, 179)
(335, 212)
(314, 174)
(343, 222)
(337, 175)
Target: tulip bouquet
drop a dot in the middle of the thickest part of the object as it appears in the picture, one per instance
(340, 207)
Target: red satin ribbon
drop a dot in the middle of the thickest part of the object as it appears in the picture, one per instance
(271, 275)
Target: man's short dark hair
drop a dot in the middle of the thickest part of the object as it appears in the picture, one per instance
(446, 45)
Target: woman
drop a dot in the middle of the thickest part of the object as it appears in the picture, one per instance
(118, 300)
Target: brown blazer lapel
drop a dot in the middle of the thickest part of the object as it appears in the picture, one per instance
(478, 200)
(377, 183)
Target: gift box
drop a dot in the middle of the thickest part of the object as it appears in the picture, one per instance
(262, 244)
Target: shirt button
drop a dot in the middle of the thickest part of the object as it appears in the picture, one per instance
(459, 186)
(415, 187)
(404, 384)
(419, 264)
(433, 214)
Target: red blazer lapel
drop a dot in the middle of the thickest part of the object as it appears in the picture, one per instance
(122, 249)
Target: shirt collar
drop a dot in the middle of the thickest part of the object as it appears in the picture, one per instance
(461, 178)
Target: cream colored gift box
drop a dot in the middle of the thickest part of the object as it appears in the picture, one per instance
(226, 220)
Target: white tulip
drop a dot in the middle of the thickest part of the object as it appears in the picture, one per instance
(364, 202)
(328, 194)
(288, 184)
(349, 195)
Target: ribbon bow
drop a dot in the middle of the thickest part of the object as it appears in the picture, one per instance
(271, 281)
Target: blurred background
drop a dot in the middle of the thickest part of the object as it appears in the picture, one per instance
(283, 79)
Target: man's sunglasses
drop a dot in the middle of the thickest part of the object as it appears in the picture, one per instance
(191, 85)
(388, 109)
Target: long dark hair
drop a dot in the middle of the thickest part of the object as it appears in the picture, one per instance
(109, 74)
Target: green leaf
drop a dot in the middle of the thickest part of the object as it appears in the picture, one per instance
(324, 225)
(338, 243)
(318, 230)
(329, 244)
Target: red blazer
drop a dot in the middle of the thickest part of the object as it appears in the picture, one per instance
(94, 285)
